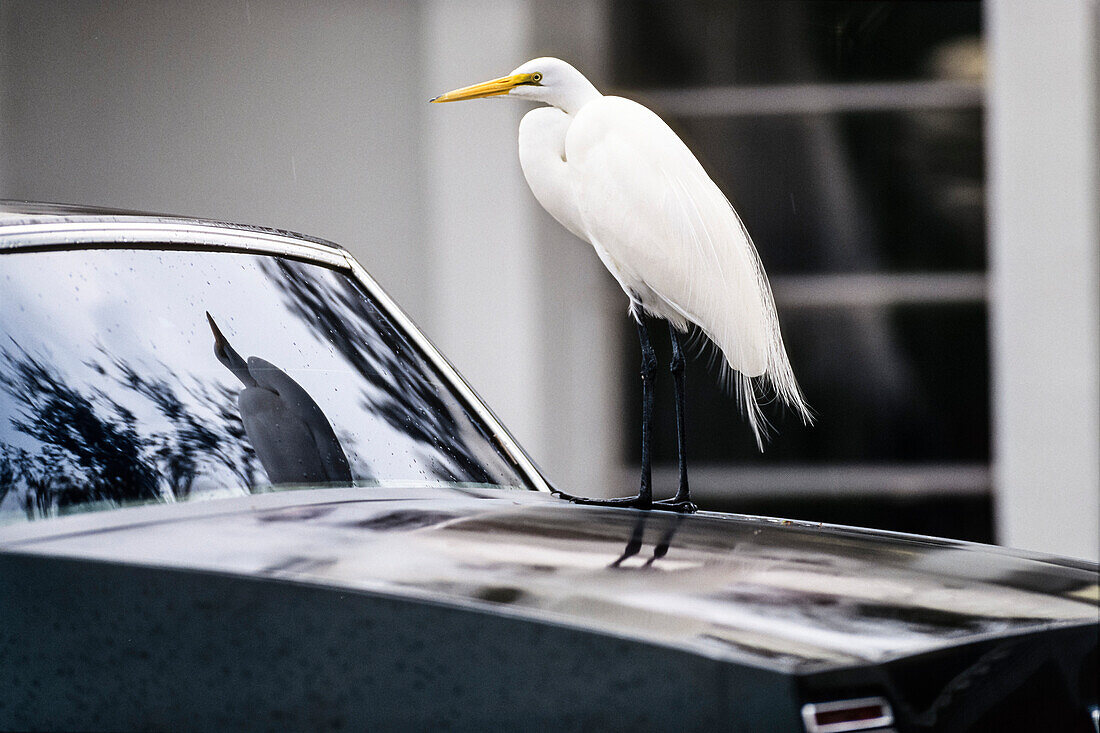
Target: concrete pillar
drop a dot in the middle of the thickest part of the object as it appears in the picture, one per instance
(1045, 272)
(523, 308)
(479, 216)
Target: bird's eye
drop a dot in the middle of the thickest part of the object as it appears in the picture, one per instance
(536, 77)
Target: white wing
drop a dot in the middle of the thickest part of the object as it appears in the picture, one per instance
(644, 199)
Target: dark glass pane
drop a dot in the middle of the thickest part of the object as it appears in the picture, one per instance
(860, 192)
(116, 388)
(670, 43)
(901, 384)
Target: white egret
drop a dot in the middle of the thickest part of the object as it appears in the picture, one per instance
(615, 175)
(287, 429)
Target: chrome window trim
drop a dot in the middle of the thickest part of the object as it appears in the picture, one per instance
(501, 435)
(107, 233)
(810, 711)
(120, 234)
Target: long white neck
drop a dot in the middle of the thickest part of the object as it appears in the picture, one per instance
(542, 157)
(569, 98)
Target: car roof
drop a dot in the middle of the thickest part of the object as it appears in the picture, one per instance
(17, 213)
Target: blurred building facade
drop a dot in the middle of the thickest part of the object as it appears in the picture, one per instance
(921, 181)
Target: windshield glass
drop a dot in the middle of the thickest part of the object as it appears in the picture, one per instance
(136, 376)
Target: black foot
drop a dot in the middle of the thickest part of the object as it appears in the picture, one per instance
(676, 505)
(680, 506)
(630, 502)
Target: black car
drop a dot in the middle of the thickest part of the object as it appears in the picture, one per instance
(239, 489)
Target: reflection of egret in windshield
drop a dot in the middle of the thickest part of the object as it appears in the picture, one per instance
(287, 429)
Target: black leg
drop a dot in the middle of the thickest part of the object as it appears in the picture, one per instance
(644, 499)
(682, 500)
(649, 373)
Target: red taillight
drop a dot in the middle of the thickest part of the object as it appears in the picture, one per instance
(840, 716)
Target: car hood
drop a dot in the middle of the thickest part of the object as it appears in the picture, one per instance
(780, 594)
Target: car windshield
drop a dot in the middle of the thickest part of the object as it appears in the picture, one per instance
(140, 376)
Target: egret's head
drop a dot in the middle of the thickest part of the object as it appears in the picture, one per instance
(546, 79)
(228, 356)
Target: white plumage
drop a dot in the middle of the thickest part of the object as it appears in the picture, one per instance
(615, 175)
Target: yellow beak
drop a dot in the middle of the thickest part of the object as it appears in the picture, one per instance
(503, 85)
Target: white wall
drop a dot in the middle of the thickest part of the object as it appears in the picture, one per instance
(286, 114)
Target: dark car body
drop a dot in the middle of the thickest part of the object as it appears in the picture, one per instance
(468, 606)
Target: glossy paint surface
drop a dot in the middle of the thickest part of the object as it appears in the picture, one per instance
(787, 596)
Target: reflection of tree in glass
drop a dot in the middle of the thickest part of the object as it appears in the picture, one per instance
(223, 440)
(407, 398)
(7, 476)
(105, 450)
(91, 449)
